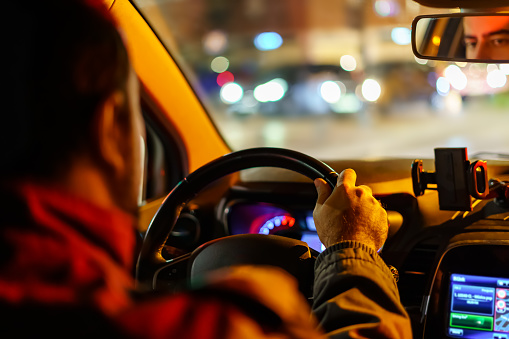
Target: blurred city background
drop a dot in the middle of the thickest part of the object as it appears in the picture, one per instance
(336, 79)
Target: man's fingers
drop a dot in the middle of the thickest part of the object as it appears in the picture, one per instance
(347, 178)
(323, 190)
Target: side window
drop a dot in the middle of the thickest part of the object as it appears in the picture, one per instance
(166, 161)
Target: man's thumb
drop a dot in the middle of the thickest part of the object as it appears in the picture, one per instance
(323, 190)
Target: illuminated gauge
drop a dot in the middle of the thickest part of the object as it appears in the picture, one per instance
(277, 223)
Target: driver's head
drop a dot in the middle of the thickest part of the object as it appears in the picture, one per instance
(71, 99)
(486, 37)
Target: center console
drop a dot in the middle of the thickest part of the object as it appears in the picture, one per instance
(469, 294)
(478, 307)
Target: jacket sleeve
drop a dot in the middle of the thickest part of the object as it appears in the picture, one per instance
(239, 302)
(355, 294)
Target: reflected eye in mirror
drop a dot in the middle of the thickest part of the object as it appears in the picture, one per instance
(482, 37)
(499, 40)
(470, 43)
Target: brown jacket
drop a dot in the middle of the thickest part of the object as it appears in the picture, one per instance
(355, 294)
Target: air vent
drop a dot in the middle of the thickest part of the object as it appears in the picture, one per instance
(415, 273)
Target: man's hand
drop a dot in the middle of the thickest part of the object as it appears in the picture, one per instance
(349, 213)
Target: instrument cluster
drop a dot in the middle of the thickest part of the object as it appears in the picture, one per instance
(267, 218)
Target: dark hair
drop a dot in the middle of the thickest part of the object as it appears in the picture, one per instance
(64, 58)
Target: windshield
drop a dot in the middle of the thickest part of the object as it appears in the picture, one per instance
(333, 79)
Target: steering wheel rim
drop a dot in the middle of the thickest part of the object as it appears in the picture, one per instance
(150, 260)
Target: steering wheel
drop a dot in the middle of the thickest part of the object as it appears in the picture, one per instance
(292, 255)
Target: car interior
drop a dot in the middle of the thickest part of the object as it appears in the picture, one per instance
(246, 102)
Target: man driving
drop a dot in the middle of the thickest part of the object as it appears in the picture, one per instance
(486, 37)
(69, 186)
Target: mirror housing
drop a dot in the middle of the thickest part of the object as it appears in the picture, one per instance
(472, 37)
(463, 3)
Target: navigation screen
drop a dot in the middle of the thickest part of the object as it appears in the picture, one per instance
(479, 307)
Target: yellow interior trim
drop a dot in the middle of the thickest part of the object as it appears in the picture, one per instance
(147, 212)
(168, 88)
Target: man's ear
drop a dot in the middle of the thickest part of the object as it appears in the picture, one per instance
(110, 134)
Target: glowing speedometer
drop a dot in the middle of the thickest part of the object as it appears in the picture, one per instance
(277, 223)
(265, 218)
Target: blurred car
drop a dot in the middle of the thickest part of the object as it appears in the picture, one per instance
(201, 65)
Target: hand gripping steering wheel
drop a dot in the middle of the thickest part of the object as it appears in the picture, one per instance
(289, 254)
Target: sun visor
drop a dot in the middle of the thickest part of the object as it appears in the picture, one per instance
(463, 3)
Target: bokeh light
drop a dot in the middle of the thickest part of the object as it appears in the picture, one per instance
(420, 61)
(496, 79)
(504, 68)
(443, 86)
(268, 41)
(330, 92)
(456, 77)
(401, 35)
(371, 90)
(231, 93)
(271, 91)
(453, 103)
(224, 78)
(220, 64)
(476, 68)
(248, 100)
(348, 63)
(348, 103)
(432, 79)
(281, 82)
(215, 42)
(491, 68)
(386, 8)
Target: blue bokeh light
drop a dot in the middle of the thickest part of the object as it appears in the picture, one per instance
(268, 41)
(401, 35)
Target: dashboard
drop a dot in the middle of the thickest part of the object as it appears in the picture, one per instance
(453, 266)
(244, 217)
(264, 218)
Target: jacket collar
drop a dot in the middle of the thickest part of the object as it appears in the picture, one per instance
(113, 230)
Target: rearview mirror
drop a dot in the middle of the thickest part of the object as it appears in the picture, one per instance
(462, 37)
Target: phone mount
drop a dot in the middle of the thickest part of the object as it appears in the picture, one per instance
(455, 178)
